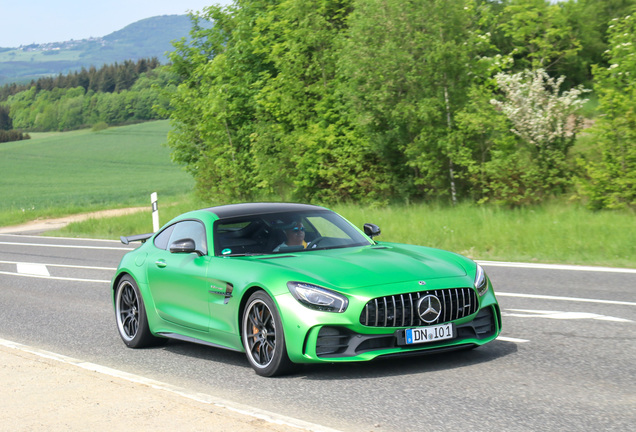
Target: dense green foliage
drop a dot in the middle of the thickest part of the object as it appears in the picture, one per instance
(612, 179)
(109, 78)
(387, 100)
(12, 135)
(115, 94)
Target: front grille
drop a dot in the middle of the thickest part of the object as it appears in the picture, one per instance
(401, 310)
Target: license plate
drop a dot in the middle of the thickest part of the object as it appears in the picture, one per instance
(428, 334)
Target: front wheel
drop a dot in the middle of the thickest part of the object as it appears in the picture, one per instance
(130, 313)
(263, 337)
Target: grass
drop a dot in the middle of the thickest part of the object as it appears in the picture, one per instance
(554, 233)
(63, 173)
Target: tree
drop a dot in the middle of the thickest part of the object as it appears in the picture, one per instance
(611, 181)
(409, 66)
(5, 120)
(539, 34)
(264, 81)
(546, 120)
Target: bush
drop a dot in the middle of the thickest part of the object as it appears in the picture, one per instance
(99, 126)
(12, 135)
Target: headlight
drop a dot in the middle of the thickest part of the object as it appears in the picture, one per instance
(481, 281)
(315, 297)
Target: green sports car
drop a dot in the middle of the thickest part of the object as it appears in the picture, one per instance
(296, 283)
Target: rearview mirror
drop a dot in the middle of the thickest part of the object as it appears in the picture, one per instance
(371, 230)
(186, 246)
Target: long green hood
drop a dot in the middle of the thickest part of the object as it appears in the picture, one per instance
(359, 267)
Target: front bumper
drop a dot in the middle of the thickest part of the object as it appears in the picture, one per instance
(314, 337)
(341, 343)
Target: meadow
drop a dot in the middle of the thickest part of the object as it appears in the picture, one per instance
(55, 174)
(556, 233)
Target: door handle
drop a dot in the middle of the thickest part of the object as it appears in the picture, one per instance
(161, 263)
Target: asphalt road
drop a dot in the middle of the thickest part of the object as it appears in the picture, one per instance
(566, 359)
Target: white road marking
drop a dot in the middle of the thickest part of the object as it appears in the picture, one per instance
(55, 277)
(39, 270)
(530, 313)
(267, 416)
(556, 267)
(64, 266)
(509, 339)
(59, 238)
(65, 246)
(32, 269)
(572, 299)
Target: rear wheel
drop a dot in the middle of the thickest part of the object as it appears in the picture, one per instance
(263, 336)
(130, 313)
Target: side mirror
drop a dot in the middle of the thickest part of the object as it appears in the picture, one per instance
(371, 230)
(186, 246)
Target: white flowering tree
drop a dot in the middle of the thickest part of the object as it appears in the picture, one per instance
(540, 114)
(546, 120)
(612, 180)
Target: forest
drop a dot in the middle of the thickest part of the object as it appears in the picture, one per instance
(113, 94)
(510, 102)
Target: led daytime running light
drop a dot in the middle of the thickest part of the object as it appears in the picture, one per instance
(318, 298)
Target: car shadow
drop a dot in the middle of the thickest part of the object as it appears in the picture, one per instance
(206, 352)
(396, 366)
(380, 367)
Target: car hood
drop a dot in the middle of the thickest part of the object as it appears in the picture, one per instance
(358, 267)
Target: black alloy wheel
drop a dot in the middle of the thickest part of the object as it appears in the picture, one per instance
(263, 336)
(130, 313)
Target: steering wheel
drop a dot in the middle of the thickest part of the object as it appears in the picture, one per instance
(314, 243)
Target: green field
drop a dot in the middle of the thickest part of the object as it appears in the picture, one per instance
(62, 173)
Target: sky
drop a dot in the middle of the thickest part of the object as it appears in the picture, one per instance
(23, 22)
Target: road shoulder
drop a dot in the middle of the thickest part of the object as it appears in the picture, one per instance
(45, 393)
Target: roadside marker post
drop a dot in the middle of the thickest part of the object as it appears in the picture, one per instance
(155, 212)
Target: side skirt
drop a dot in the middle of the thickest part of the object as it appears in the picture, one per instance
(195, 340)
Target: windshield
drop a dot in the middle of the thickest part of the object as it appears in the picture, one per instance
(284, 233)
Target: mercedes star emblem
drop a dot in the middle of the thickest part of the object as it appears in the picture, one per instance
(429, 307)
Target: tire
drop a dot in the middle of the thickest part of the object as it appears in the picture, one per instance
(263, 337)
(130, 312)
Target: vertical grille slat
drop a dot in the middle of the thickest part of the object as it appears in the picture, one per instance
(377, 317)
(400, 310)
(385, 312)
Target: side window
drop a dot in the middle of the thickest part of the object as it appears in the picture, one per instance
(193, 230)
(161, 240)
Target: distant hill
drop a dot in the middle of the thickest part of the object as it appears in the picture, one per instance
(150, 37)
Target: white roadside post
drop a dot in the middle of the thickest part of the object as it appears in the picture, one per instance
(155, 212)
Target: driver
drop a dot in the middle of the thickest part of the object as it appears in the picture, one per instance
(295, 233)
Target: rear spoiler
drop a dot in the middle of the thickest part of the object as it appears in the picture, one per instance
(139, 237)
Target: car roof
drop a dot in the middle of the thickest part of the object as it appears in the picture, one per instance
(250, 209)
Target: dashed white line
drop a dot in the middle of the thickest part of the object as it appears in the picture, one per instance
(560, 315)
(572, 299)
(64, 266)
(32, 269)
(557, 267)
(510, 339)
(55, 277)
(65, 246)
